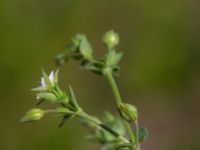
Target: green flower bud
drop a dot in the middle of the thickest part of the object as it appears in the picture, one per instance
(47, 96)
(110, 39)
(34, 114)
(128, 112)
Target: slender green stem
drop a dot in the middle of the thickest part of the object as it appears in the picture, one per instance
(137, 132)
(129, 130)
(114, 87)
(50, 111)
(118, 99)
(101, 125)
(85, 116)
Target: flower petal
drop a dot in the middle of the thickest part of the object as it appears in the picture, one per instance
(51, 76)
(43, 82)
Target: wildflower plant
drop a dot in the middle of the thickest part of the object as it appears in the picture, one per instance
(113, 132)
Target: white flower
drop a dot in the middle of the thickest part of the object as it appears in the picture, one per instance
(47, 82)
(51, 79)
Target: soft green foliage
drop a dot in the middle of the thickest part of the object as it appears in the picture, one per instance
(113, 132)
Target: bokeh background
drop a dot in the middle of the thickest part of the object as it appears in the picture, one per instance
(160, 68)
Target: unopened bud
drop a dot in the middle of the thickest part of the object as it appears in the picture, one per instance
(34, 114)
(111, 39)
(128, 112)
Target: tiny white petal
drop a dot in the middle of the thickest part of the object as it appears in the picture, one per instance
(51, 76)
(37, 97)
(43, 82)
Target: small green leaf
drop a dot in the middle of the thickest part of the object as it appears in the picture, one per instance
(142, 135)
(86, 50)
(65, 118)
(94, 67)
(113, 58)
(115, 122)
(40, 89)
(109, 146)
(111, 124)
(64, 111)
(76, 40)
(84, 46)
(123, 146)
(73, 98)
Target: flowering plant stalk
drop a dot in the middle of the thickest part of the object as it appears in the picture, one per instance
(113, 132)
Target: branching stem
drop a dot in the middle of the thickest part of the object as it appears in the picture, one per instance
(118, 99)
(101, 125)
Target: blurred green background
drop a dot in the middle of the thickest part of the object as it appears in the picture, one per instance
(160, 69)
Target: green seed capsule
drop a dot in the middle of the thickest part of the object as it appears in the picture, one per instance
(34, 114)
